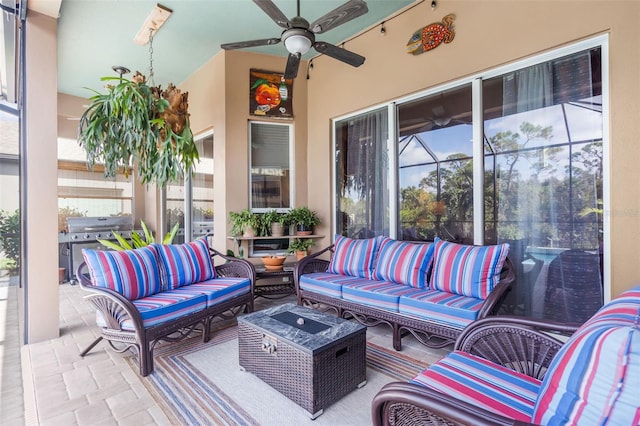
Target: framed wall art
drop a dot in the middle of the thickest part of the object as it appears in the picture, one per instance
(270, 95)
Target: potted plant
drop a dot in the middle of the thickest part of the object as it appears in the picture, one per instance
(244, 223)
(275, 221)
(133, 124)
(300, 246)
(304, 219)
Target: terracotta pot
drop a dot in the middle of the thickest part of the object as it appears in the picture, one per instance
(300, 254)
(303, 230)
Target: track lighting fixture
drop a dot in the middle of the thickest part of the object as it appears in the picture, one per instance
(382, 29)
(433, 4)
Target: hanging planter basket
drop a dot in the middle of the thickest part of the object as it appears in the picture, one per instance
(134, 124)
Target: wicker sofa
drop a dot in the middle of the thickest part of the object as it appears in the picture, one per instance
(511, 370)
(162, 292)
(432, 291)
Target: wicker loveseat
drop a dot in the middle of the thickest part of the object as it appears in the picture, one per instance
(510, 370)
(162, 292)
(432, 291)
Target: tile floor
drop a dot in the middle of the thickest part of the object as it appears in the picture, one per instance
(58, 387)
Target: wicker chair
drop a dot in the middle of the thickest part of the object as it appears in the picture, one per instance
(508, 370)
(124, 327)
(574, 286)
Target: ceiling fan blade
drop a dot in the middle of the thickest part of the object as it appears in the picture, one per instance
(274, 12)
(338, 16)
(339, 53)
(249, 43)
(291, 70)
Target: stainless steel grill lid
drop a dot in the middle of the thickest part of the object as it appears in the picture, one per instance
(103, 223)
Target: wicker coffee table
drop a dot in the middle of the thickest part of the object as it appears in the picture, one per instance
(312, 358)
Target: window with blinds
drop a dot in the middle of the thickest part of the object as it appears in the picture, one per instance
(270, 159)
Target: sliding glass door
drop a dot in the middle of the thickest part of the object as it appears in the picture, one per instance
(543, 154)
(513, 156)
(192, 198)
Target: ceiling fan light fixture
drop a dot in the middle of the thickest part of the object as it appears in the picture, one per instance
(298, 43)
(442, 121)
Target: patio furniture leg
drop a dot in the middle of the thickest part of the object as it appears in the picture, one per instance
(146, 358)
(397, 337)
(91, 346)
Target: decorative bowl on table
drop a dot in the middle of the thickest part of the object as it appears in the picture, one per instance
(273, 262)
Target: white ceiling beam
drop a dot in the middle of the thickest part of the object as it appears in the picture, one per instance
(154, 21)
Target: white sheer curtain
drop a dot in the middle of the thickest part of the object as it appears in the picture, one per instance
(528, 89)
(362, 165)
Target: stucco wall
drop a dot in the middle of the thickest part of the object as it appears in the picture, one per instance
(41, 264)
(490, 34)
(219, 99)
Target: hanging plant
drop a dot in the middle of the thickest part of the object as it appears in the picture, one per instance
(134, 124)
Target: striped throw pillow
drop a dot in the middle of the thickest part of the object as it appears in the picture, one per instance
(403, 262)
(132, 273)
(594, 379)
(467, 270)
(184, 264)
(354, 257)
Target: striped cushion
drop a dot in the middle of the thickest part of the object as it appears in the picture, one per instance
(325, 283)
(184, 264)
(595, 377)
(379, 294)
(163, 307)
(218, 290)
(132, 273)
(435, 305)
(467, 270)
(354, 257)
(403, 263)
(482, 383)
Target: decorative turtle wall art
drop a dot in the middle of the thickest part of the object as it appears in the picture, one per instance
(432, 36)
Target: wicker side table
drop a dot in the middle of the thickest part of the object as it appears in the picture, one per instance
(274, 290)
(313, 364)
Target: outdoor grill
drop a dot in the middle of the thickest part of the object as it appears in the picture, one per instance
(202, 228)
(84, 232)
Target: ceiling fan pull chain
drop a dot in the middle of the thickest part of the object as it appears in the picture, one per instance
(151, 82)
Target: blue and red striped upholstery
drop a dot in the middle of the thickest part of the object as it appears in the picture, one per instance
(354, 257)
(162, 307)
(453, 309)
(184, 264)
(219, 289)
(132, 273)
(379, 294)
(482, 383)
(403, 262)
(326, 283)
(467, 270)
(595, 377)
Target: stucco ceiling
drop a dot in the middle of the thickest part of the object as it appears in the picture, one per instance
(94, 35)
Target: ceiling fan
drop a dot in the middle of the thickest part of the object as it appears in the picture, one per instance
(299, 36)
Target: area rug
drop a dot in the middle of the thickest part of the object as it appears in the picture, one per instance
(202, 384)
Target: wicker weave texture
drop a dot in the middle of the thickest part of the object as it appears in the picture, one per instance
(312, 381)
